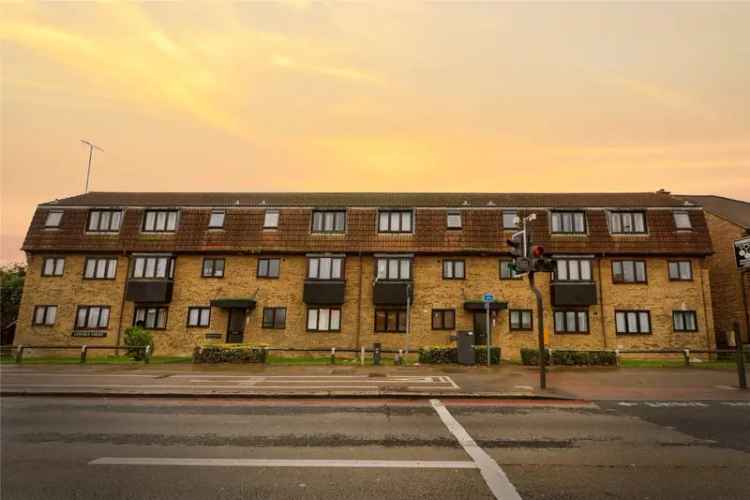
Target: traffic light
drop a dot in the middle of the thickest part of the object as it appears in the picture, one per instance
(518, 247)
(539, 262)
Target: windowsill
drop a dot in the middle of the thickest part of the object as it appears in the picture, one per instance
(685, 331)
(98, 279)
(639, 235)
(569, 235)
(274, 228)
(521, 330)
(216, 229)
(639, 334)
(394, 233)
(572, 333)
(52, 228)
(315, 280)
(684, 229)
(642, 283)
(102, 233)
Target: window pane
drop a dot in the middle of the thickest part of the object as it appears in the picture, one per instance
(325, 268)
(383, 223)
(627, 223)
(336, 268)
(271, 219)
(644, 321)
(216, 220)
(219, 267)
(628, 271)
(380, 321)
(567, 222)
(273, 268)
(570, 321)
(454, 220)
(280, 318)
(526, 319)
(39, 315)
(509, 217)
(150, 267)
(632, 322)
(81, 319)
(674, 270)
(93, 321)
(51, 315)
(317, 221)
(328, 221)
(690, 321)
(579, 224)
(263, 267)
(617, 273)
(616, 222)
(335, 319)
(679, 323)
(449, 320)
(101, 268)
(392, 269)
(111, 268)
(161, 321)
(161, 221)
(193, 316)
(640, 271)
(559, 321)
(437, 320)
(205, 316)
(574, 270)
(406, 221)
(515, 319)
(138, 268)
(458, 269)
(583, 321)
(382, 269)
(395, 221)
(104, 221)
(685, 271)
(172, 221)
(391, 321)
(586, 270)
(161, 267)
(115, 223)
(312, 319)
(562, 270)
(324, 316)
(340, 221)
(556, 226)
(639, 224)
(401, 321)
(150, 220)
(94, 221)
(682, 220)
(405, 269)
(59, 264)
(447, 269)
(313, 272)
(620, 322)
(53, 219)
(49, 266)
(104, 317)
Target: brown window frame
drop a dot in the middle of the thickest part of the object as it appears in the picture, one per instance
(513, 275)
(157, 211)
(620, 214)
(567, 261)
(520, 327)
(452, 263)
(145, 315)
(200, 316)
(443, 324)
(387, 268)
(46, 308)
(100, 211)
(323, 212)
(273, 324)
(397, 312)
(635, 281)
(169, 275)
(317, 319)
(692, 313)
(107, 267)
(578, 330)
(268, 276)
(638, 313)
(572, 221)
(54, 267)
(391, 212)
(213, 261)
(88, 308)
(678, 278)
(342, 268)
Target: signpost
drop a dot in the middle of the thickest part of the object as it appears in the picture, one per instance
(488, 298)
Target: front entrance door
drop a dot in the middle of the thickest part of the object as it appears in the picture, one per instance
(480, 328)
(236, 326)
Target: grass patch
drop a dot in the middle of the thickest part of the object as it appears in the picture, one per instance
(326, 360)
(675, 363)
(94, 360)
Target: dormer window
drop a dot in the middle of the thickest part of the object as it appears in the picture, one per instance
(627, 222)
(216, 221)
(54, 217)
(454, 220)
(271, 219)
(682, 220)
(104, 221)
(510, 219)
(329, 221)
(160, 221)
(395, 221)
(568, 222)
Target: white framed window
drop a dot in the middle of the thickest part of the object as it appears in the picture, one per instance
(454, 269)
(454, 220)
(510, 219)
(216, 221)
(44, 315)
(271, 219)
(325, 268)
(571, 321)
(53, 266)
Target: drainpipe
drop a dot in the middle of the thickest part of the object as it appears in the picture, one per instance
(601, 300)
(359, 301)
(705, 308)
(122, 307)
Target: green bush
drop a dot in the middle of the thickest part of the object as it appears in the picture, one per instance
(449, 354)
(135, 336)
(570, 358)
(229, 353)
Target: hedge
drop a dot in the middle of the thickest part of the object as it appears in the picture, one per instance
(229, 353)
(570, 358)
(449, 354)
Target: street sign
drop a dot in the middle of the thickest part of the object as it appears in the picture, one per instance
(742, 253)
(488, 297)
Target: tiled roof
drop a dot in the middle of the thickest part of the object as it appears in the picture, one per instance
(411, 200)
(735, 211)
(482, 230)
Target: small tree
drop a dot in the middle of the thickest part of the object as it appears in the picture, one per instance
(11, 288)
(136, 336)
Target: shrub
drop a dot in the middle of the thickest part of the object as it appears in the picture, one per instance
(135, 336)
(449, 354)
(229, 353)
(531, 356)
(570, 358)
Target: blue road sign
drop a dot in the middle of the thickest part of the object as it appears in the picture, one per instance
(488, 297)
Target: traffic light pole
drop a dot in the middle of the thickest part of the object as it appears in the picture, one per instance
(540, 329)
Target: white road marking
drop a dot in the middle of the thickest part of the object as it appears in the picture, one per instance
(248, 462)
(524, 387)
(736, 403)
(493, 475)
(675, 404)
(626, 403)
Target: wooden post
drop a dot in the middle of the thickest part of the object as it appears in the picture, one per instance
(742, 376)
(686, 354)
(19, 354)
(333, 355)
(83, 353)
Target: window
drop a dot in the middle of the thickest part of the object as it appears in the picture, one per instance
(92, 317)
(395, 221)
(199, 316)
(627, 222)
(329, 221)
(568, 222)
(684, 321)
(393, 268)
(213, 268)
(103, 221)
(630, 322)
(510, 219)
(271, 219)
(443, 319)
(152, 318)
(44, 315)
(506, 273)
(54, 217)
(454, 220)
(100, 268)
(274, 317)
(520, 319)
(390, 320)
(453, 269)
(682, 220)
(216, 221)
(573, 270)
(325, 268)
(268, 268)
(323, 319)
(680, 270)
(159, 221)
(571, 321)
(629, 271)
(53, 266)
(153, 267)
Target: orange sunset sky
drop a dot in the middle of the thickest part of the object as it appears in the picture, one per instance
(388, 96)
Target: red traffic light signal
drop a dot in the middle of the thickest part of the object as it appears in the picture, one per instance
(537, 251)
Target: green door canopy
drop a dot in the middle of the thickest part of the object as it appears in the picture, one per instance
(234, 303)
(478, 305)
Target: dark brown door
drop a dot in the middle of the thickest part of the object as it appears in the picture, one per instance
(480, 328)
(236, 326)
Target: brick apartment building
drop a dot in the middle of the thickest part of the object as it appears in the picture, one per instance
(335, 269)
(728, 220)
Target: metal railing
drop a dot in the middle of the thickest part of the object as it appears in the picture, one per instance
(19, 350)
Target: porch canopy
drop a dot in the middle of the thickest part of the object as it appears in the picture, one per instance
(241, 303)
(478, 305)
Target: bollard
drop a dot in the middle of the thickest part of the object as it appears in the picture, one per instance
(83, 353)
(376, 354)
(333, 355)
(147, 355)
(617, 358)
(686, 354)
(742, 376)
(549, 349)
(19, 354)
(362, 356)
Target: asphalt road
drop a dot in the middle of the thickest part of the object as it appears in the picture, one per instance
(606, 450)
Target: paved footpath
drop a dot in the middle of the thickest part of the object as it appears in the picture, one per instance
(627, 384)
